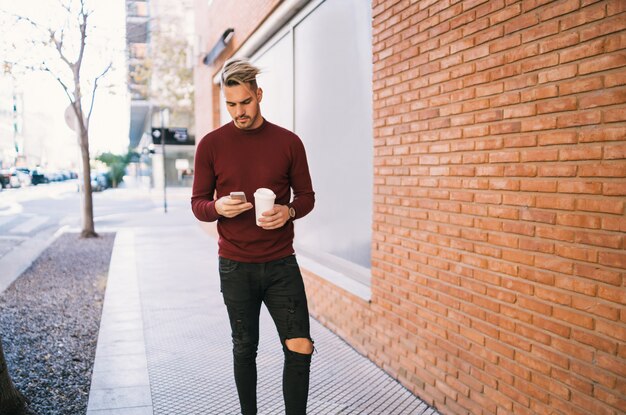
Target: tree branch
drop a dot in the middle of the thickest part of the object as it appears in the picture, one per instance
(65, 88)
(93, 94)
(83, 35)
(59, 47)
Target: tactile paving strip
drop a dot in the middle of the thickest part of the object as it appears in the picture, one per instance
(188, 346)
(190, 367)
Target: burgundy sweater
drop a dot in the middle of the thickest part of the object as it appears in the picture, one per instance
(230, 159)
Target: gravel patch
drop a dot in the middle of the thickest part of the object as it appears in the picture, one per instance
(49, 321)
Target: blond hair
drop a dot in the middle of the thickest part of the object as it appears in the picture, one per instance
(239, 71)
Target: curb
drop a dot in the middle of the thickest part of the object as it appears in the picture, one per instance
(14, 263)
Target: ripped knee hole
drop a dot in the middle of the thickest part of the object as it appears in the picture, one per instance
(300, 345)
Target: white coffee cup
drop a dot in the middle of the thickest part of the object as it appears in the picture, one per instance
(263, 201)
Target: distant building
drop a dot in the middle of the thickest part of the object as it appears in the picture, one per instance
(159, 37)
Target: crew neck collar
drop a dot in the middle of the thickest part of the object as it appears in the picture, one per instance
(252, 131)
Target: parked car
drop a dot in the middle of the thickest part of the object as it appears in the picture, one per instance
(12, 178)
(5, 178)
(37, 176)
(23, 176)
(99, 182)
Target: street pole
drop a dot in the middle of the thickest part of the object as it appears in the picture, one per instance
(163, 113)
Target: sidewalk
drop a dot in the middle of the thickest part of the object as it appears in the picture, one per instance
(164, 345)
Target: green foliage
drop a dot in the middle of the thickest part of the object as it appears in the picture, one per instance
(117, 165)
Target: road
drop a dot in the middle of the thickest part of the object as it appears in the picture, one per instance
(37, 212)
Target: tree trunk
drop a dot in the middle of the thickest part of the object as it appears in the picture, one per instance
(89, 230)
(12, 402)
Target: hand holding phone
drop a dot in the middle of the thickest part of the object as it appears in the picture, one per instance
(241, 196)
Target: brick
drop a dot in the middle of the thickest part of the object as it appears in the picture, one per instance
(580, 85)
(602, 134)
(538, 186)
(601, 205)
(584, 367)
(562, 137)
(552, 326)
(528, 140)
(615, 151)
(606, 97)
(614, 224)
(614, 189)
(518, 257)
(540, 62)
(565, 235)
(603, 170)
(558, 8)
(586, 15)
(557, 105)
(534, 215)
(614, 79)
(537, 124)
(558, 42)
(557, 171)
(555, 202)
(541, 31)
(578, 221)
(602, 63)
(603, 28)
(611, 330)
(615, 7)
(584, 50)
(578, 118)
(612, 364)
(596, 307)
(598, 273)
(614, 115)
(541, 92)
(581, 187)
(540, 307)
(559, 73)
(505, 14)
(573, 317)
(615, 42)
(595, 341)
(616, 260)
(526, 110)
(505, 128)
(539, 155)
(519, 82)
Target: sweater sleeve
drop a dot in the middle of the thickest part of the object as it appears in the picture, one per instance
(300, 179)
(203, 189)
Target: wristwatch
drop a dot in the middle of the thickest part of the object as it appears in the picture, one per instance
(292, 213)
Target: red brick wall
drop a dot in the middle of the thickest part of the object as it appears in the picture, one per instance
(498, 252)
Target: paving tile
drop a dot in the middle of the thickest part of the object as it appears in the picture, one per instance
(138, 410)
(120, 362)
(123, 378)
(118, 398)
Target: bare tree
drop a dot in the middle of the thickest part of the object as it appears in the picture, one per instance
(12, 402)
(64, 60)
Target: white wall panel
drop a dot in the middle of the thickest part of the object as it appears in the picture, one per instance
(333, 116)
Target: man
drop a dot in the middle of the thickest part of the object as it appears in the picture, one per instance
(257, 263)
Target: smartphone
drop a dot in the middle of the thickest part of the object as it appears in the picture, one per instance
(241, 196)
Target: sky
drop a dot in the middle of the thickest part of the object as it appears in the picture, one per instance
(44, 96)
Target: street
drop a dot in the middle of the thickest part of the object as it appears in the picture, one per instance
(37, 212)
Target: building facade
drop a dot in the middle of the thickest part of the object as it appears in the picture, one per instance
(469, 163)
(159, 36)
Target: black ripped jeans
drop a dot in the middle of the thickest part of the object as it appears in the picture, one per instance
(279, 285)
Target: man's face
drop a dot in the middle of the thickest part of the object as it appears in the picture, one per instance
(243, 106)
